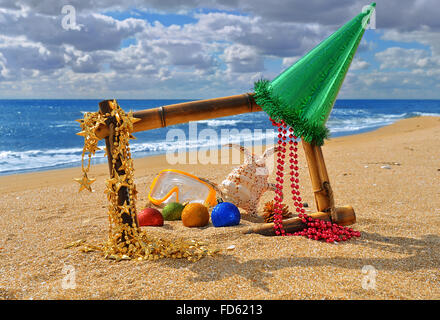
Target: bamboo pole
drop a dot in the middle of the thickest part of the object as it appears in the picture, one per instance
(325, 181)
(323, 200)
(123, 195)
(345, 217)
(322, 169)
(189, 111)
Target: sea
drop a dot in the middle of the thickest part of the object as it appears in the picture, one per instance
(38, 135)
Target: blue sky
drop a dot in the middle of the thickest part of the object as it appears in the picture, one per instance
(203, 49)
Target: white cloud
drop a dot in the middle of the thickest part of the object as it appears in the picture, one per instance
(240, 58)
(358, 64)
(4, 72)
(424, 35)
(397, 58)
(98, 32)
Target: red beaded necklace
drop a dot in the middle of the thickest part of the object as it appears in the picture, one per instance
(315, 228)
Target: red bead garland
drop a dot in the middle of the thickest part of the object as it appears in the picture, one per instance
(325, 230)
(315, 228)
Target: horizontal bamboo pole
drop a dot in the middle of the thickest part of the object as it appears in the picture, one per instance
(189, 111)
(344, 216)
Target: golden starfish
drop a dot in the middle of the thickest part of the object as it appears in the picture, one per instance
(109, 190)
(100, 119)
(120, 181)
(91, 146)
(125, 164)
(113, 104)
(82, 133)
(85, 182)
(125, 208)
(131, 120)
(115, 113)
(88, 133)
(111, 182)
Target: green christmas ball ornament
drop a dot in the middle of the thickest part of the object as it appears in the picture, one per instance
(172, 211)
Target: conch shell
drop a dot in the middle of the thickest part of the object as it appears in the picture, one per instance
(245, 185)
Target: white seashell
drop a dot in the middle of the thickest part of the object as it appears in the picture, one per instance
(246, 183)
(243, 192)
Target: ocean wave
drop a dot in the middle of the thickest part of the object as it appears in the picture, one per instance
(354, 124)
(349, 112)
(66, 124)
(15, 161)
(36, 153)
(426, 114)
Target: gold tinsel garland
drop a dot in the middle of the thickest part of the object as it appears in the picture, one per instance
(126, 241)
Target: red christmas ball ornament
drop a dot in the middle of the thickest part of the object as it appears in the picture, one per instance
(150, 217)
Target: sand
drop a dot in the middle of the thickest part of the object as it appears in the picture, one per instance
(397, 210)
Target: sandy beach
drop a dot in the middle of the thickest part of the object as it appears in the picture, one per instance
(390, 176)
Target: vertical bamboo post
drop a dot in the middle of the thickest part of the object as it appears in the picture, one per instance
(123, 195)
(318, 175)
(321, 164)
(325, 181)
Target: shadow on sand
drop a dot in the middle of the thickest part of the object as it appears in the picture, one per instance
(416, 254)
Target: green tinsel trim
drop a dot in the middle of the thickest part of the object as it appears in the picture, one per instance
(278, 110)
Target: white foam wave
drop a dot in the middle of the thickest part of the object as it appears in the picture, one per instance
(349, 112)
(67, 124)
(427, 114)
(353, 124)
(11, 161)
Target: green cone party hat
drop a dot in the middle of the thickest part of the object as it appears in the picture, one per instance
(303, 95)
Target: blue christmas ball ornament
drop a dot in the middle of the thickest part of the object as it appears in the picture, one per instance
(225, 214)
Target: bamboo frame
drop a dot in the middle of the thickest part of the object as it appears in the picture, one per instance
(221, 107)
